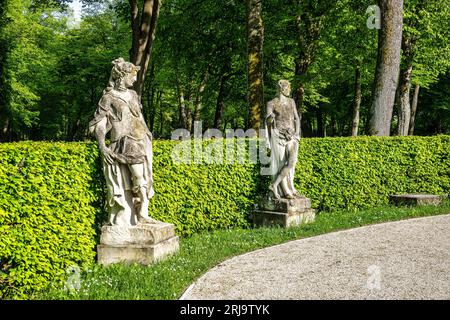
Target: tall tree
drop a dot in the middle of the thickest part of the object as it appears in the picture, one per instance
(4, 85)
(32, 36)
(425, 48)
(388, 66)
(309, 22)
(220, 103)
(205, 64)
(255, 39)
(404, 88)
(435, 114)
(356, 102)
(414, 109)
(143, 26)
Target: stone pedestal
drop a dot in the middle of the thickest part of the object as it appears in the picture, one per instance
(415, 199)
(283, 212)
(144, 244)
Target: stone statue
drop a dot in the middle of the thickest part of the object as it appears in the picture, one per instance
(131, 235)
(283, 205)
(283, 129)
(127, 160)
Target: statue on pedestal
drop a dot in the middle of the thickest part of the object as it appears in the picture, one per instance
(283, 128)
(127, 160)
(283, 205)
(130, 235)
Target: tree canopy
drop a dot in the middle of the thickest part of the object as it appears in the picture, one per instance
(53, 69)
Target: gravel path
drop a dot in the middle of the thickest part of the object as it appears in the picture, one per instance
(398, 260)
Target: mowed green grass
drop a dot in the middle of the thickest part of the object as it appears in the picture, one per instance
(168, 279)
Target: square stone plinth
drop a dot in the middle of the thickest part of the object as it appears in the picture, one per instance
(285, 220)
(145, 234)
(143, 243)
(142, 254)
(300, 204)
(415, 199)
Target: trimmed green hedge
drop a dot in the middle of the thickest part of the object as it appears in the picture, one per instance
(362, 172)
(198, 197)
(52, 194)
(49, 199)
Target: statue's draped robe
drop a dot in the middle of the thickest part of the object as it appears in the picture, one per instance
(276, 142)
(130, 147)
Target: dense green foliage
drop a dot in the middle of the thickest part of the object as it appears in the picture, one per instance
(54, 68)
(199, 253)
(51, 193)
(362, 172)
(201, 197)
(49, 200)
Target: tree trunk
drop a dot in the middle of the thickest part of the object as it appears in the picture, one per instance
(388, 65)
(153, 110)
(4, 84)
(198, 99)
(149, 91)
(143, 35)
(161, 120)
(4, 128)
(220, 105)
(307, 125)
(190, 102)
(161, 114)
(182, 117)
(150, 104)
(404, 106)
(321, 125)
(308, 28)
(356, 102)
(414, 109)
(182, 107)
(255, 39)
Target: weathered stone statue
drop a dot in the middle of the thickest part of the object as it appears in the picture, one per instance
(283, 205)
(283, 128)
(127, 160)
(127, 164)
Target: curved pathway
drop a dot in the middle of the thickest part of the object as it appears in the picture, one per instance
(407, 259)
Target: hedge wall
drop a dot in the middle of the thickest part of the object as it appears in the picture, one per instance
(52, 194)
(49, 198)
(354, 173)
(198, 197)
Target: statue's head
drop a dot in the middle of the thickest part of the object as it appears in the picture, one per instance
(123, 74)
(284, 87)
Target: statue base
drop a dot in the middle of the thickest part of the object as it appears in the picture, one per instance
(144, 244)
(283, 212)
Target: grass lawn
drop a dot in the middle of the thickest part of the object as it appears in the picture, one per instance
(169, 279)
